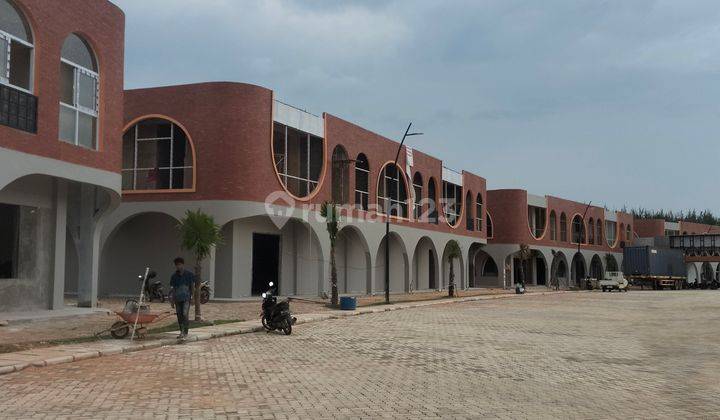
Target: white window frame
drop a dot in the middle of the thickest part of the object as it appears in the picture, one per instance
(137, 140)
(417, 201)
(5, 73)
(389, 202)
(478, 213)
(77, 108)
(284, 175)
(363, 194)
(451, 206)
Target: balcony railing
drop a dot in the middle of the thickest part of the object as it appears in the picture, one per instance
(18, 109)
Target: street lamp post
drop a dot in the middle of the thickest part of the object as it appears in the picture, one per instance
(387, 213)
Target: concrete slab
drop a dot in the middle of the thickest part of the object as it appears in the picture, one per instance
(42, 315)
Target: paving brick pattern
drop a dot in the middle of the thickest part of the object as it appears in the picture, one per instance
(573, 355)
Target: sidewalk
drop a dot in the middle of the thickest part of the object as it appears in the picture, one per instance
(40, 357)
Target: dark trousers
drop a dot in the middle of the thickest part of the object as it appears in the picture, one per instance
(183, 312)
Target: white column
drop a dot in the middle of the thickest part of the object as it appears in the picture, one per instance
(58, 287)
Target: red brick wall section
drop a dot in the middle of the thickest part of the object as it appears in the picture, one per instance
(230, 125)
(697, 228)
(102, 25)
(649, 228)
(509, 211)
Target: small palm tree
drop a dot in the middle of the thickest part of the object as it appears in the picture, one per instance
(330, 212)
(453, 251)
(200, 234)
(524, 254)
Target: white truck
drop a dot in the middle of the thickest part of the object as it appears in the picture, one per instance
(614, 280)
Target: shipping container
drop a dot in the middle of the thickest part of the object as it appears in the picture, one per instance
(653, 261)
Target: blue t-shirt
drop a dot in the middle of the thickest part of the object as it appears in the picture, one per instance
(183, 284)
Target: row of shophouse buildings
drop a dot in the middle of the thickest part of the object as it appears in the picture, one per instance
(94, 179)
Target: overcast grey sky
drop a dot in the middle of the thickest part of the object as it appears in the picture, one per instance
(611, 101)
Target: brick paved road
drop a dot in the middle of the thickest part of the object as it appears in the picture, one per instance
(587, 355)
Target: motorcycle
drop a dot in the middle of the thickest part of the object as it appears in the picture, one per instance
(276, 315)
(153, 289)
(204, 292)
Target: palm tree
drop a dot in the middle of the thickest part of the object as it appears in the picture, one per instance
(200, 235)
(453, 251)
(330, 212)
(524, 254)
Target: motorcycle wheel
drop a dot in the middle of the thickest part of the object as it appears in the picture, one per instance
(288, 328)
(204, 296)
(265, 324)
(120, 330)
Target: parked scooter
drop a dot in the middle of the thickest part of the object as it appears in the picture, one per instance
(153, 289)
(204, 292)
(276, 315)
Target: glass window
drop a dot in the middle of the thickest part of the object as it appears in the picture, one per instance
(78, 94)
(417, 190)
(340, 176)
(578, 230)
(591, 232)
(553, 226)
(489, 225)
(469, 219)
(9, 218)
(563, 227)
(610, 232)
(598, 226)
(16, 48)
(156, 156)
(628, 233)
(536, 221)
(432, 202)
(478, 212)
(392, 192)
(298, 159)
(362, 182)
(452, 200)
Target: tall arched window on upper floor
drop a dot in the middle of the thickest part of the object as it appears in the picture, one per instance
(362, 181)
(432, 201)
(591, 231)
(599, 228)
(610, 232)
(79, 88)
(563, 227)
(417, 191)
(578, 230)
(628, 234)
(157, 155)
(340, 176)
(553, 226)
(452, 202)
(16, 48)
(478, 212)
(392, 192)
(469, 219)
(298, 159)
(489, 225)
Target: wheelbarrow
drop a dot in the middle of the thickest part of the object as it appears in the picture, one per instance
(134, 319)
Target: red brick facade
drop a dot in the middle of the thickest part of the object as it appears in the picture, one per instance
(102, 25)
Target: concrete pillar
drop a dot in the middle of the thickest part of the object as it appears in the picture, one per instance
(211, 271)
(236, 289)
(88, 247)
(58, 275)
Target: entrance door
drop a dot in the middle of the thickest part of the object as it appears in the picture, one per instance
(431, 270)
(265, 262)
(540, 271)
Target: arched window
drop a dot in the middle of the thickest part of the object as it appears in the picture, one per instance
(563, 227)
(392, 192)
(469, 220)
(78, 93)
(340, 176)
(452, 200)
(298, 159)
(610, 232)
(628, 233)
(478, 212)
(488, 225)
(578, 230)
(536, 221)
(432, 201)
(553, 226)
(16, 48)
(157, 155)
(417, 191)
(362, 181)
(591, 231)
(598, 226)
(621, 232)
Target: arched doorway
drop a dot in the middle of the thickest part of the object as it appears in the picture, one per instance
(535, 268)
(142, 240)
(426, 270)
(482, 268)
(457, 265)
(596, 268)
(611, 263)
(352, 259)
(707, 274)
(399, 273)
(559, 271)
(578, 269)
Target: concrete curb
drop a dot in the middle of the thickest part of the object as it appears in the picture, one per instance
(76, 352)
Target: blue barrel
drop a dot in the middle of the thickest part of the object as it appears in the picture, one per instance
(348, 303)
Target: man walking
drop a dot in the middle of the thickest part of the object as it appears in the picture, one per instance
(182, 284)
